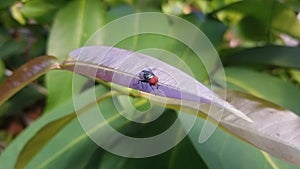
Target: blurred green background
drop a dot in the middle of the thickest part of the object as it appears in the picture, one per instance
(257, 41)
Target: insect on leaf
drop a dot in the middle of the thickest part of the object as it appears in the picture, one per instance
(122, 67)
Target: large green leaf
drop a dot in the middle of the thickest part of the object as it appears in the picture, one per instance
(41, 138)
(71, 142)
(282, 56)
(72, 27)
(181, 156)
(69, 148)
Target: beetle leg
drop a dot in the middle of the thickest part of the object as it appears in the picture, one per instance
(151, 87)
(140, 81)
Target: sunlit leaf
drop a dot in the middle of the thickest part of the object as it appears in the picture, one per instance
(17, 15)
(295, 74)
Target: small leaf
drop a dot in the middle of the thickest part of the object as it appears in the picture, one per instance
(26, 74)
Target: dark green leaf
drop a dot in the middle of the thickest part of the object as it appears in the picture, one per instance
(43, 130)
(21, 99)
(282, 56)
(212, 28)
(6, 3)
(41, 138)
(181, 156)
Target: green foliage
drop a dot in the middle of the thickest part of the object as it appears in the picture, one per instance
(56, 140)
(83, 18)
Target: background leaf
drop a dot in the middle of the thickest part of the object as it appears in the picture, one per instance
(72, 27)
(41, 11)
(282, 56)
(269, 18)
(264, 86)
(26, 74)
(17, 153)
